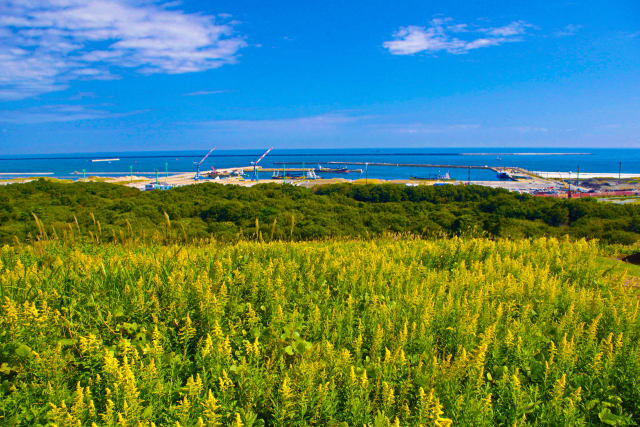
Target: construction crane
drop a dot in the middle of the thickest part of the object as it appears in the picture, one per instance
(197, 176)
(255, 164)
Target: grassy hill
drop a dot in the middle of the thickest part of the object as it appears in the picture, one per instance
(108, 212)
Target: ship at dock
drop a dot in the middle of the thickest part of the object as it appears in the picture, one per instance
(435, 177)
(504, 175)
(307, 174)
(338, 169)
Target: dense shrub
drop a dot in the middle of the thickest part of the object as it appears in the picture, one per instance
(107, 210)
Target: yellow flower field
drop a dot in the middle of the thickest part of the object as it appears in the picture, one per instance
(379, 332)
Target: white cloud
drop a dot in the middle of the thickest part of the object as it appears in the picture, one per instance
(569, 30)
(425, 128)
(46, 44)
(337, 123)
(528, 129)
(438, 36)
(515, 28)
(309, 123)
(205, 92)
(59, 113)
(81, 95)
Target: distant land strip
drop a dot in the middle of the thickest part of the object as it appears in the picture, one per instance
(163, 156)
(525, 154)
(24, 173)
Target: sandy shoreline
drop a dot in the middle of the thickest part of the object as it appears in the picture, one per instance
(536, 181)
(586, 175)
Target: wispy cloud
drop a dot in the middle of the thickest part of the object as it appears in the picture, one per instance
(444, 35)
(424, 128)
(46, 44)
(527, 129)
(337, 123)
(361, 124)
(568, 30)
(59, 113)
(82, 95)
(309, 123)
(205, 92)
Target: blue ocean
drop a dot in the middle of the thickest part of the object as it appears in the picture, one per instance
(74, 165)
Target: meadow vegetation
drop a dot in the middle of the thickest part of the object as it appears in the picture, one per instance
(385, 331)
(340, 305)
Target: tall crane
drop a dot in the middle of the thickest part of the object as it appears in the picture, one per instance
(197, 176)
(255, 164)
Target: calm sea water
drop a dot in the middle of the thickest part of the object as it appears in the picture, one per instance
(70, 166)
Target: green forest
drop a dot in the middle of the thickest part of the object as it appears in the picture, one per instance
(269, 211)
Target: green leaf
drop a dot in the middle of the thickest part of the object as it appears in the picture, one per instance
(606, 417)
(6, 369)
(23, 351)
(148, 412)
(301, 347)
(591, 404)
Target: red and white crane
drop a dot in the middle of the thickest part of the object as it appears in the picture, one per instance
(197, 176)
(255, 164)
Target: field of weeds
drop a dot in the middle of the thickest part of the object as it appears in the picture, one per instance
(380, 332)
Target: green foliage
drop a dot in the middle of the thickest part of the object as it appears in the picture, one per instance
(107, 212)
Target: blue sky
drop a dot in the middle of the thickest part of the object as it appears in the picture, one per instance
(112, 75)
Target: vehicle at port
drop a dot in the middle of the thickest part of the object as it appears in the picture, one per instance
(504, 175)
(154, 186)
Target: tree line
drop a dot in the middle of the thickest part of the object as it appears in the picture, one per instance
(277, 212)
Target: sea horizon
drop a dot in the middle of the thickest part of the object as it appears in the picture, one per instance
(109, 163)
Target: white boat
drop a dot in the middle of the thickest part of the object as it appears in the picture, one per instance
(104, 160)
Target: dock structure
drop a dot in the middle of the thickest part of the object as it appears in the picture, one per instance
(288, 169)
(416, 165)
(413, 165)
(514, 170)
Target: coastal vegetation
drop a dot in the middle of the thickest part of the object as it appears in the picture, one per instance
(382, 331)
(106, 212)
(279, 305)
